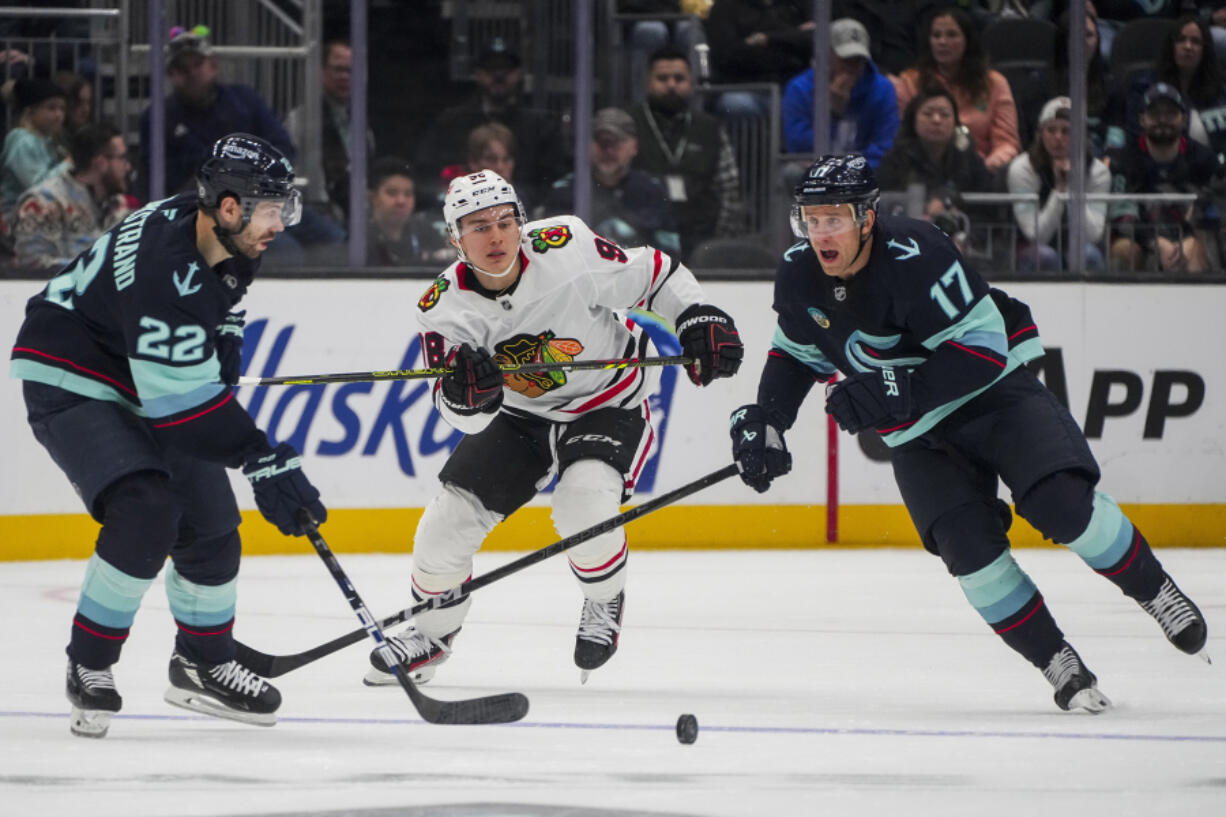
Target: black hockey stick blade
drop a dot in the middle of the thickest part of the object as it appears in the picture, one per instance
(273, 666)
(504, 708)
(417, 374)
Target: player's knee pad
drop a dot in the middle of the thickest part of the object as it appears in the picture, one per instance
(140, 522)
(211, 561)
(451, 530)
(588, 492)
(1059, 506)
(969, 537)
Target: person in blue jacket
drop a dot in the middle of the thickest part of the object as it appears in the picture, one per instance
(863, 107)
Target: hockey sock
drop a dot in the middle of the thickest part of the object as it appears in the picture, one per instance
(108, 604)
(1014, 608)
(447, 618)
(1114, 548)
(205, 617)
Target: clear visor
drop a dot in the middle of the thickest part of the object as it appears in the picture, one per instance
(267, 211)
(825, 222)
(494, 221)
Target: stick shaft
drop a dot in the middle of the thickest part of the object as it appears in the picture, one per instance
(416, 374)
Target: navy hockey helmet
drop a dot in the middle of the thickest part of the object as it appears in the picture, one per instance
(250, 170)
(835, 179)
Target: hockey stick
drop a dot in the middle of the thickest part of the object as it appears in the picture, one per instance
(505, 708)
(273, 666)
(415, 374)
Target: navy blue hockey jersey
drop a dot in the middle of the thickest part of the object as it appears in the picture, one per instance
(134, 320)
(915, 306)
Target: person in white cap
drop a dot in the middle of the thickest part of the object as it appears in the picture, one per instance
(1044, 169)
(863, 107)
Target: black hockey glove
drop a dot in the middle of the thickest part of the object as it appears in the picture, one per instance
(230, 347)
(757, 447)
(281, 489)
(709, 338)
(475, 384)
(877, 399)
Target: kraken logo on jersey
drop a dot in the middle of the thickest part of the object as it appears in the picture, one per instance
(545, 238)
(819, 317)
(187, 285)
(430, 299)
(907, 252)
(542, 348)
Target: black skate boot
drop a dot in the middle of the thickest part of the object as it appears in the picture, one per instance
(227, 690)
(1076, 687)
(1179, 618)
(420, 653)
(600, 624)
(94, 699)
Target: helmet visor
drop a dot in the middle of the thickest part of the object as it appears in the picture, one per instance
(288, 210)
(826, 221)
(501, 220)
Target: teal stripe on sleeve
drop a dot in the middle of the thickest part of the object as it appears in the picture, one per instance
(982, 326)
(75, 383)
(165, 390)
(807, 354)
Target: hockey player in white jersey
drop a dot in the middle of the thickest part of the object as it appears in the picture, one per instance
(549, 290)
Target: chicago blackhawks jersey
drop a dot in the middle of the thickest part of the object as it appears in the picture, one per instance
(570, 302)
(134, 320)
(915, 306)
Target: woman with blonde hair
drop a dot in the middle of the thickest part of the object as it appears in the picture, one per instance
(31, 149)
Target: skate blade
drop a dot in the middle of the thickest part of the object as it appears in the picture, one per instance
(1091, 700)
(379, 678)
(199, 702)
(89, 723)
(1204, 656)
(583, 675)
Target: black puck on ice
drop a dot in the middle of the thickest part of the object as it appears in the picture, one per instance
(687, 729)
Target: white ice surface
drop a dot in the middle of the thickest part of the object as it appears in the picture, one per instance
(825, 682)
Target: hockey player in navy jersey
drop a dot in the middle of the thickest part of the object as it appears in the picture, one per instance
(933, 361)
(128, 356)
(549, 290)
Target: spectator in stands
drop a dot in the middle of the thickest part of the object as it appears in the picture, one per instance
(894, 26)
(956, 60)
(201, 110)
(397, 236)
(757, 41)
(1044, 170)
(646, 36)
(1162, 160)
(629, 206)
(61, 216)
(78, 102)
(1102, 100)
(933, 151)
(32, 148)
(541, 158)
(327, 175)
(1186, 61)
(689, 150)
(491, 147)
(863, 107)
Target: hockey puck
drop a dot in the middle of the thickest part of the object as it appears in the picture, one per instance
(687, 729)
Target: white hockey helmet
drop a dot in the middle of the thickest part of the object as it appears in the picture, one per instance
(477, 191)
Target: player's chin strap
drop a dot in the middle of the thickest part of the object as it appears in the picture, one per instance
(863, 238)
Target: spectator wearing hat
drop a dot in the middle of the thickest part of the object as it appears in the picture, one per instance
(397, 235)
(59, 217)
(629, 206)
(200, 110)
(31, 149)
(1044, 170)
(863, 107)
(1163, 235)
(542, 156)
(690, 151)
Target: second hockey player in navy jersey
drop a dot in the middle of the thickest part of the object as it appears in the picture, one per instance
(128, 357)
(933, 360)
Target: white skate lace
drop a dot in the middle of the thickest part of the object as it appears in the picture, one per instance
(598, 621)
(1171, 609)
(238, 678)
(95, 679)
(1063, 666)
(410, 647)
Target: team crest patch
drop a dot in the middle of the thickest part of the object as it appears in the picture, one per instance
(546, 238)
(437, 288)
(819, 317)
(542, 348)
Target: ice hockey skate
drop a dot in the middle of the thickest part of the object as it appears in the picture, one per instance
(415, 650)
(94, 700)
(600, 625)
(1180, 619)
(227, 690)
(1076, 687)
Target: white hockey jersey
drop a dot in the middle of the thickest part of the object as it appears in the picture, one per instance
(570, 302)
